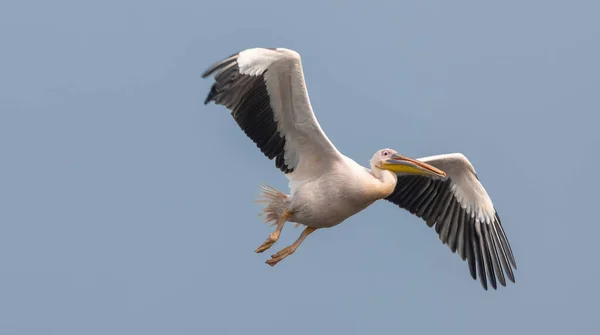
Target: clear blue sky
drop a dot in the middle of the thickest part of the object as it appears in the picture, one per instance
(120, 215)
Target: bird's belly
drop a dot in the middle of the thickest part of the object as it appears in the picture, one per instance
(325, 206)
(324, 216)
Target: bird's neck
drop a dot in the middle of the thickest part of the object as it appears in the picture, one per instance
(385, 182)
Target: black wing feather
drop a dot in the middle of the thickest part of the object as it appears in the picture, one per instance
(482, 244)
(248, 99)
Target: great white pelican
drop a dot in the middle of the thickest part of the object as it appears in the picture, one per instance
(265, 90)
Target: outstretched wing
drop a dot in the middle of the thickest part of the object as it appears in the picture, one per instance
(266, 92)
(463, 214)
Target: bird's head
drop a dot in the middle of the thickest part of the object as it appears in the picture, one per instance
(391, 160)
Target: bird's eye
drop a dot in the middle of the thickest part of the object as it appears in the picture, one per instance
(385, 153)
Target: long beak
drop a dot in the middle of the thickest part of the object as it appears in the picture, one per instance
(401, 164)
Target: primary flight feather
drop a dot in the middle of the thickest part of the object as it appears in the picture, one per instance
(265, 90)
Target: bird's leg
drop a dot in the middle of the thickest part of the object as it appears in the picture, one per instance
(283, 253)
(274, 236)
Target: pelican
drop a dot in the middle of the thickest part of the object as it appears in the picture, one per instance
(265, 90)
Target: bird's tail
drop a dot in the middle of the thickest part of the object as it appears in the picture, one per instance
(275, 203)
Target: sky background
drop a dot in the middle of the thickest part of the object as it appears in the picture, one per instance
(120, 215)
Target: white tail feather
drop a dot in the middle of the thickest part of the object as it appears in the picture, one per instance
(275, 203)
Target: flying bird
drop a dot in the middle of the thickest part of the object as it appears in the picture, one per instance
(265, 90)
